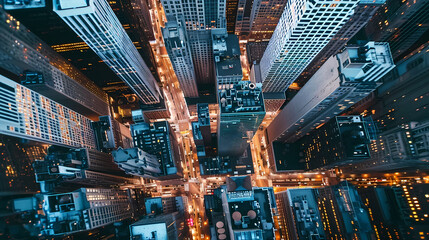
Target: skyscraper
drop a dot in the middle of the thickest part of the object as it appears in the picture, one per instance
(31, 116)
(343, 213)
(81, 167)
(231, 15)
(177, 44)
(165, 219)
(363, 12)
(136, 162)
(239, 211)
(299, 216)
(198, 15)
(16, 156)
(241, 112)
(159, 139)
(342, 81)
(201, 46)
(242, 21)
(304, 28)
(84, 209)
(226, 51)
(110, 134)
(401, 24)
(113, 44)
(341, 141)
(46, 72)
(264, 18)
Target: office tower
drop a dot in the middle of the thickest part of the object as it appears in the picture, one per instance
(202, 131)
(200, 15)
(16, 157)
(226, 51)
(299, 216)
(303, 30)
(401, 24)
(383, 210)
(255, 51)
(388, 107)
(238, 211)
(243, 19)
(403, 147)
(231, 15)
(158, 205)
(204, 123)
(31, 116)
(136, 162)
(84, 209)
(345, 140)
(177, 45)
(264, 19)
(121, 55)
(343, 214)
(341, 82)
(46, 72)
(202, 56)
(84, 167)
(159, 139)
(110, 134)
(363, 13)
(165, 219)
(241, 112)
(165, 226)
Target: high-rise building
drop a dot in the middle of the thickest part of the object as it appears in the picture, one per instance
(82, 167)
(341, 82)
(136, 162)
(165, 219)
(16, 171)
(226, 51)
(342, 140)
(304, 29)
(343, 214)
(84, 209)
(159, 139)
(363, 12)
(46, 72)
(403, 147)
(29, 115)
(198, 15)
(113, 45)
(177, 45)
(241, 112)
(110, 134)
(264, 19)
(243, 20)
(384, 211)
(231, 15)
(299, 216)
(239, 211)
(401, 23)
(200, 43)
(255, 51)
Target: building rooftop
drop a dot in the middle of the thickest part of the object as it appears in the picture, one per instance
(226, 50)
(242, 97)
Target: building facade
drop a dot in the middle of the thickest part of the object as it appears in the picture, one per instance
(84, 209)
(29, 115)
(159, 139)
(304, 29)
(341, 82)
(113, 45)
(46, 72)
(177, 44)
(241, 112)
